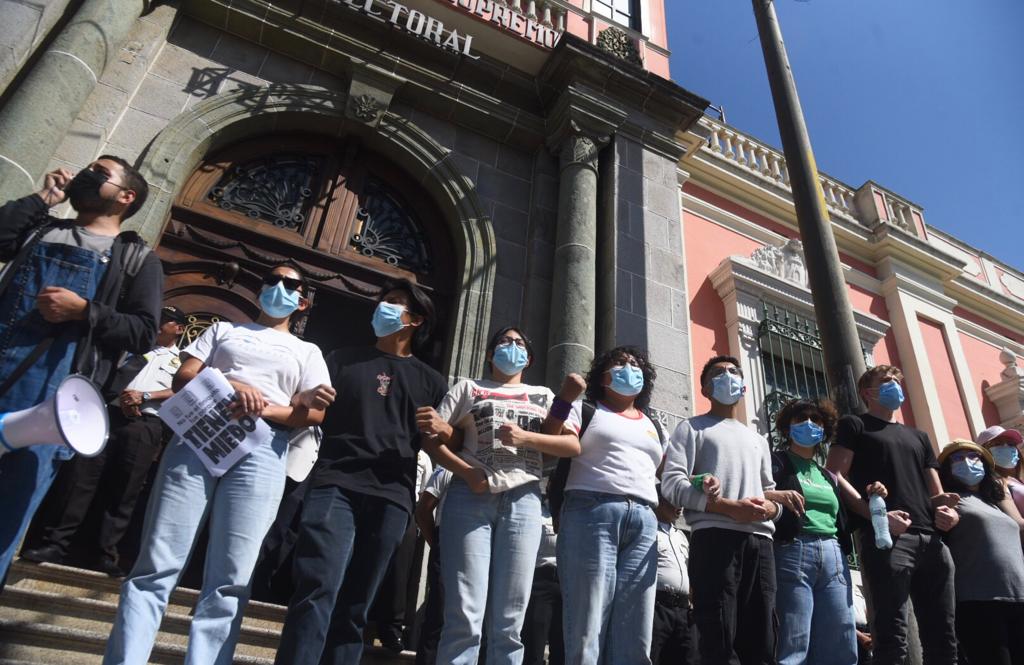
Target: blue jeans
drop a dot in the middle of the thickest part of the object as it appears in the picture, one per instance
(241, 505)
(345, 543)
(27, 473)
(488, 555)
(608, 569)
(814, 600)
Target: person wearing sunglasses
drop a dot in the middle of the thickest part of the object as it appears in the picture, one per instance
(986, 549)
(814, 597)
(75, 294)
(1004, 445)
(277, 377)
(607, 528)
(492, 512)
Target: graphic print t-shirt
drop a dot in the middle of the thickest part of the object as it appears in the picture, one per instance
(479, 409)
(371, 440)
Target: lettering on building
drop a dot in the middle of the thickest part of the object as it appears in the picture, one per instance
(511, 20)
(416, 23)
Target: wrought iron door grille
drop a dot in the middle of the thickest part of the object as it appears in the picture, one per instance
(792, 361)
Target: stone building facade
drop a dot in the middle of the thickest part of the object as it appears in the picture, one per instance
(517, 158)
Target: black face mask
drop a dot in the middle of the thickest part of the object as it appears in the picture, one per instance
(84, 189)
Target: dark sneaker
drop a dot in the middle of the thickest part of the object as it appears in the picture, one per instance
(108, 566)
(44, 554)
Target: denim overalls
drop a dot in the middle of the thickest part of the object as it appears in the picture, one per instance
(26, 473)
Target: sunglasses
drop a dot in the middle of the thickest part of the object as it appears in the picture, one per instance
(290, 283)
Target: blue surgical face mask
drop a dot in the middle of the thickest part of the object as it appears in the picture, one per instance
(807, 434)
(627, 380)
(890, 395)
(727, 388)
(510, 359)
(968, 471)
(387, 319)
(1005, 457)
(278, 302)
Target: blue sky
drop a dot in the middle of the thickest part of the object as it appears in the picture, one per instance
(925, 97)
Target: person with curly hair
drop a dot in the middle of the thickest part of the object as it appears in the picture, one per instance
(607, 538)
(814, 597)
(986, 550)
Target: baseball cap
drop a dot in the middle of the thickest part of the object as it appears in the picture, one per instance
(172, 313)
(998, 432)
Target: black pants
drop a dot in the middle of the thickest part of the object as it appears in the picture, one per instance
(991, 632)
(543, 623)
(732, 585)
(345, 543)
(389, 608)
(672, 640)
(433, 607)
(133, 446)
(918, 567)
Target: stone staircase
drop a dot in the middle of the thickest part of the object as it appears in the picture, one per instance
(56, 615)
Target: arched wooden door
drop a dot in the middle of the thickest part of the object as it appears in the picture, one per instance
(348, 216)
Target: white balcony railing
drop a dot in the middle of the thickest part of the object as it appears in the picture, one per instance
(767, 163)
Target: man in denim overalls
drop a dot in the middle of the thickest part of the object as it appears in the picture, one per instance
(75, 295)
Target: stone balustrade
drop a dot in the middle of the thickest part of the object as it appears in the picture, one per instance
(899, 212)
(769, 164)
(548, 13)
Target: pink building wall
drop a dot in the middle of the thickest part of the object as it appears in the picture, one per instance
(954, 413)
(983, 359)
(706, 245)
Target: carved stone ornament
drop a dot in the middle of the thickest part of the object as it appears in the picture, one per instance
(786, 261)
(618, 43)
(579, 149)
(366, 108)
(1010, 368)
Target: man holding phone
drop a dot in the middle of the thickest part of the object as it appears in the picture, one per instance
(74, 295)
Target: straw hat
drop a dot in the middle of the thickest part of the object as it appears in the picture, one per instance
(964, 444)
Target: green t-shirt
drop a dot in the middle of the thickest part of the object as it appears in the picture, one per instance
(821, 507)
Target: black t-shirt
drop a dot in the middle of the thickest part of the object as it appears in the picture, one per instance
(370, 436)
(896, 456)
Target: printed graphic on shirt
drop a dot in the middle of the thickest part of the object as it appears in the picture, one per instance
(490, 410)
(384, 384)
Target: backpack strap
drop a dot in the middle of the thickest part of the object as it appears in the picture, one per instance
(556, 483)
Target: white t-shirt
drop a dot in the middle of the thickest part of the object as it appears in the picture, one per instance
(278, 363)
(437, 487)
(424, 467)
(620, 455)
(479, 408)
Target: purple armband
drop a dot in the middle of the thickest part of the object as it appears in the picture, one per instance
(560, 409)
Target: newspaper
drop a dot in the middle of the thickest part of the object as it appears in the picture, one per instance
(199, 414)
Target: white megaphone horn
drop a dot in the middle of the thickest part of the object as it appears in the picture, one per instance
(75, 416)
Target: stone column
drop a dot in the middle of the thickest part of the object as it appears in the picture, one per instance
(573, 306)
(25, 25)
(49, 99)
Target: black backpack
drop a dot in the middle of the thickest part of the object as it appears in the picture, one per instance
(556, 483)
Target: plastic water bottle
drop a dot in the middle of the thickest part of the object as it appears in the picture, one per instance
(880, 522)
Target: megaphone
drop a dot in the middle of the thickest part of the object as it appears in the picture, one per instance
(75, 416)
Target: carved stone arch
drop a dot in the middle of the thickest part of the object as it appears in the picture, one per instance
(222, 119)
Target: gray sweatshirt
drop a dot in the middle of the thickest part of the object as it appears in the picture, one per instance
(727, 449)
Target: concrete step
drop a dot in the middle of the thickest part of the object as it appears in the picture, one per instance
(91, 585)
(58, 615)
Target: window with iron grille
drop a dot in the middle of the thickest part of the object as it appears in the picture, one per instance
(792, 361)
